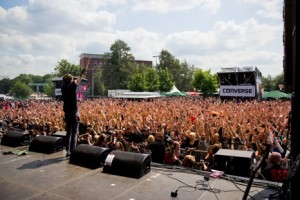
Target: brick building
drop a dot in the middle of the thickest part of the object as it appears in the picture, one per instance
(97, 61)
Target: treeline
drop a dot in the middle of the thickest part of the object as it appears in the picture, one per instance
(121, 72)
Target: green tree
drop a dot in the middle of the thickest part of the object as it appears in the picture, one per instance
(137, 82)
(182, 73)
(5, 85)
(48, 77)
(267, 83)
(37, 78)
(169, 62)
(186, 76)
(20, 90)
(65, 67)
(99, 89)
(278, 80)
(166, 60)
(151, 80)
(120, 54)
(119, 65)
(165, 80)
(49, 89)
(205, 82)
(111, 76)
(23, 78)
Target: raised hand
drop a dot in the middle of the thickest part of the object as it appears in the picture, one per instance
(87, 64)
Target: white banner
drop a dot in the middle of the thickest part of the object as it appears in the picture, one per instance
(237, 90)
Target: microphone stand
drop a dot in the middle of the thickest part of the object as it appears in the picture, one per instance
(253, 172)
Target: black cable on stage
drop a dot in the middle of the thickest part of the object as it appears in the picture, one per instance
(234, 180)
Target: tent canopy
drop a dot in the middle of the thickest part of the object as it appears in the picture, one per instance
(174, 92)
(276, 95)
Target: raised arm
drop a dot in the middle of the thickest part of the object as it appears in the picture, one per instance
(77, 81)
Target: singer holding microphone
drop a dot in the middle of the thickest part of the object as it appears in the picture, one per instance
(69, 97)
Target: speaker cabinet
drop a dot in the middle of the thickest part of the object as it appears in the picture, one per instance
(46, 144)
(234, 162)
(89, 156)
(61, 134)
(129, 164)
(15, 139)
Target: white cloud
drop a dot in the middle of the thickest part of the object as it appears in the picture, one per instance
(230, 44)
(249, 34)
(225, 36)
(34, 37)
(142, 42)
(269, 9)
(165, 6)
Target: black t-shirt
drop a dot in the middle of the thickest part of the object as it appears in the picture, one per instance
(69, 97)
(158, 151)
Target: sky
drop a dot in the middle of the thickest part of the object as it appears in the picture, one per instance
(208, 34)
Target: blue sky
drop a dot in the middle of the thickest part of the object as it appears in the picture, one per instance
(208, 34)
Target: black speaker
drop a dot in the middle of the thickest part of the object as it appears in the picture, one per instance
(89, 156)
(15, 139)
(234, 162)
(129, 164)
(46, 144)
(61, 134)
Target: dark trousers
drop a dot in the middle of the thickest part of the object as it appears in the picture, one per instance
(72, 131)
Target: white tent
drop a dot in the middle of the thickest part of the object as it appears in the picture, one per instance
(4, 97)
(174, 89)
(174, 92)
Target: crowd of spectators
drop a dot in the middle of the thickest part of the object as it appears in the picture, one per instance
(174, 130)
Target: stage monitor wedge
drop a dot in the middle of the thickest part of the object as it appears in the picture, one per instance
(46, 144)
(129, 164)
(89, 156)
(15, 139)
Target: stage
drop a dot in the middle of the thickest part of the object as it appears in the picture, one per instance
(51, 176)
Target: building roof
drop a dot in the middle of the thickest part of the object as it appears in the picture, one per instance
(91, 55)
(240, 69)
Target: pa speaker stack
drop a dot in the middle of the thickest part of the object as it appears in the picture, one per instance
(234, 162)
(15, 139)
(89, 156)
(129, 164)
(46, 144)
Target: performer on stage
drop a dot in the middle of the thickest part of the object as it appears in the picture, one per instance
(70, 108)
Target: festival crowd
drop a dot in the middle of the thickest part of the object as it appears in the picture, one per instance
(184, 131)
